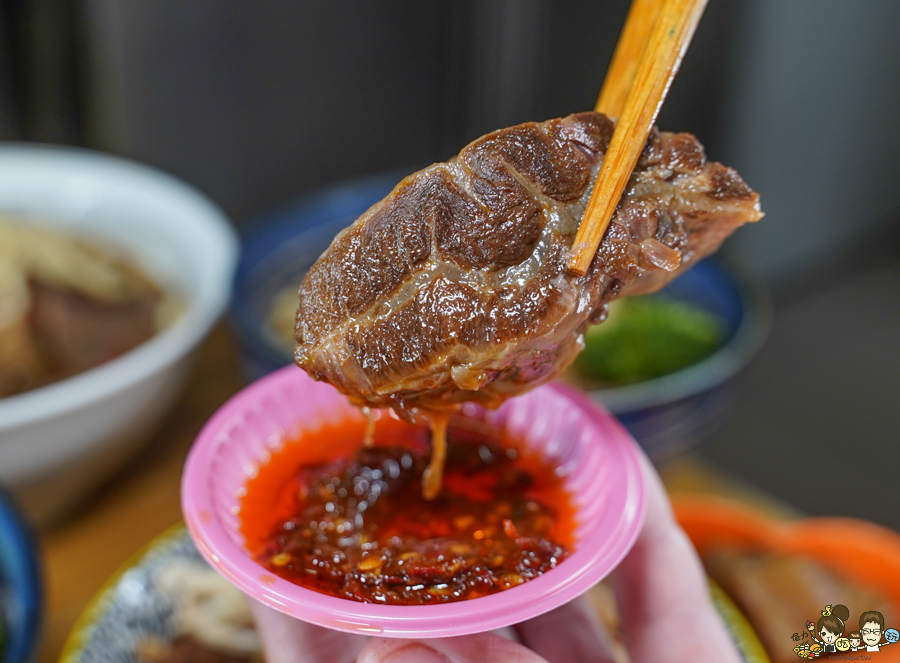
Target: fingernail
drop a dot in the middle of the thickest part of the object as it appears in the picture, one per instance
(416, 653)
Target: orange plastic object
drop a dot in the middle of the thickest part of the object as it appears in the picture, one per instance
(860, 551)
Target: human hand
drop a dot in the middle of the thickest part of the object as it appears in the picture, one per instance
(661, 591)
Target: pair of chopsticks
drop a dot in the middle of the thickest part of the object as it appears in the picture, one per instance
(651, 46)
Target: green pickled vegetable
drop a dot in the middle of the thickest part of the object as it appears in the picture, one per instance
(648, 337)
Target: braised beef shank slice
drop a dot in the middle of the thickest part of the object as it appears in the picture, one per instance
(454, 287)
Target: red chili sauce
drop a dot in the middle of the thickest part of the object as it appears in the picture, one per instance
(351, 522)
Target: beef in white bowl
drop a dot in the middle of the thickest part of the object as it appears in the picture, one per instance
(60, 440)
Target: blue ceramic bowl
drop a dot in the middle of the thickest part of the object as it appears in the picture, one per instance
(278, 249)
(666, 414)
(20, 586)
(669, 414)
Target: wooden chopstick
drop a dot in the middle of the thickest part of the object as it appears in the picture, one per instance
(658, 65)
(631, 45)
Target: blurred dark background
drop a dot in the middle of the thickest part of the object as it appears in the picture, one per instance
(256, 103)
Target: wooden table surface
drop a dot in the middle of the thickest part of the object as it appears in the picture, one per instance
(142, 500)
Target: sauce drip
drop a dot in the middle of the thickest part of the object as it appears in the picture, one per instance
(369, 437)
(356, 523)
(434, 473)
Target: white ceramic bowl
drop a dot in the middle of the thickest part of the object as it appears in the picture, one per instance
(59, 441)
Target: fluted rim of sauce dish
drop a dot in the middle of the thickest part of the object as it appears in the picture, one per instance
(599, 460)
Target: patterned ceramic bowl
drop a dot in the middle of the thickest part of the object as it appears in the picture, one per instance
(131, 607)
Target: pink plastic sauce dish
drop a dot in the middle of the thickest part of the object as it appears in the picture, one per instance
(597, 458)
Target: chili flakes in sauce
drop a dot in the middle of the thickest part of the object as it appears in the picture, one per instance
(364, 532)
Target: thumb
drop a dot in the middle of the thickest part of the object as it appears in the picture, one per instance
(479, 648)
(288, 640)
(662, 592)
